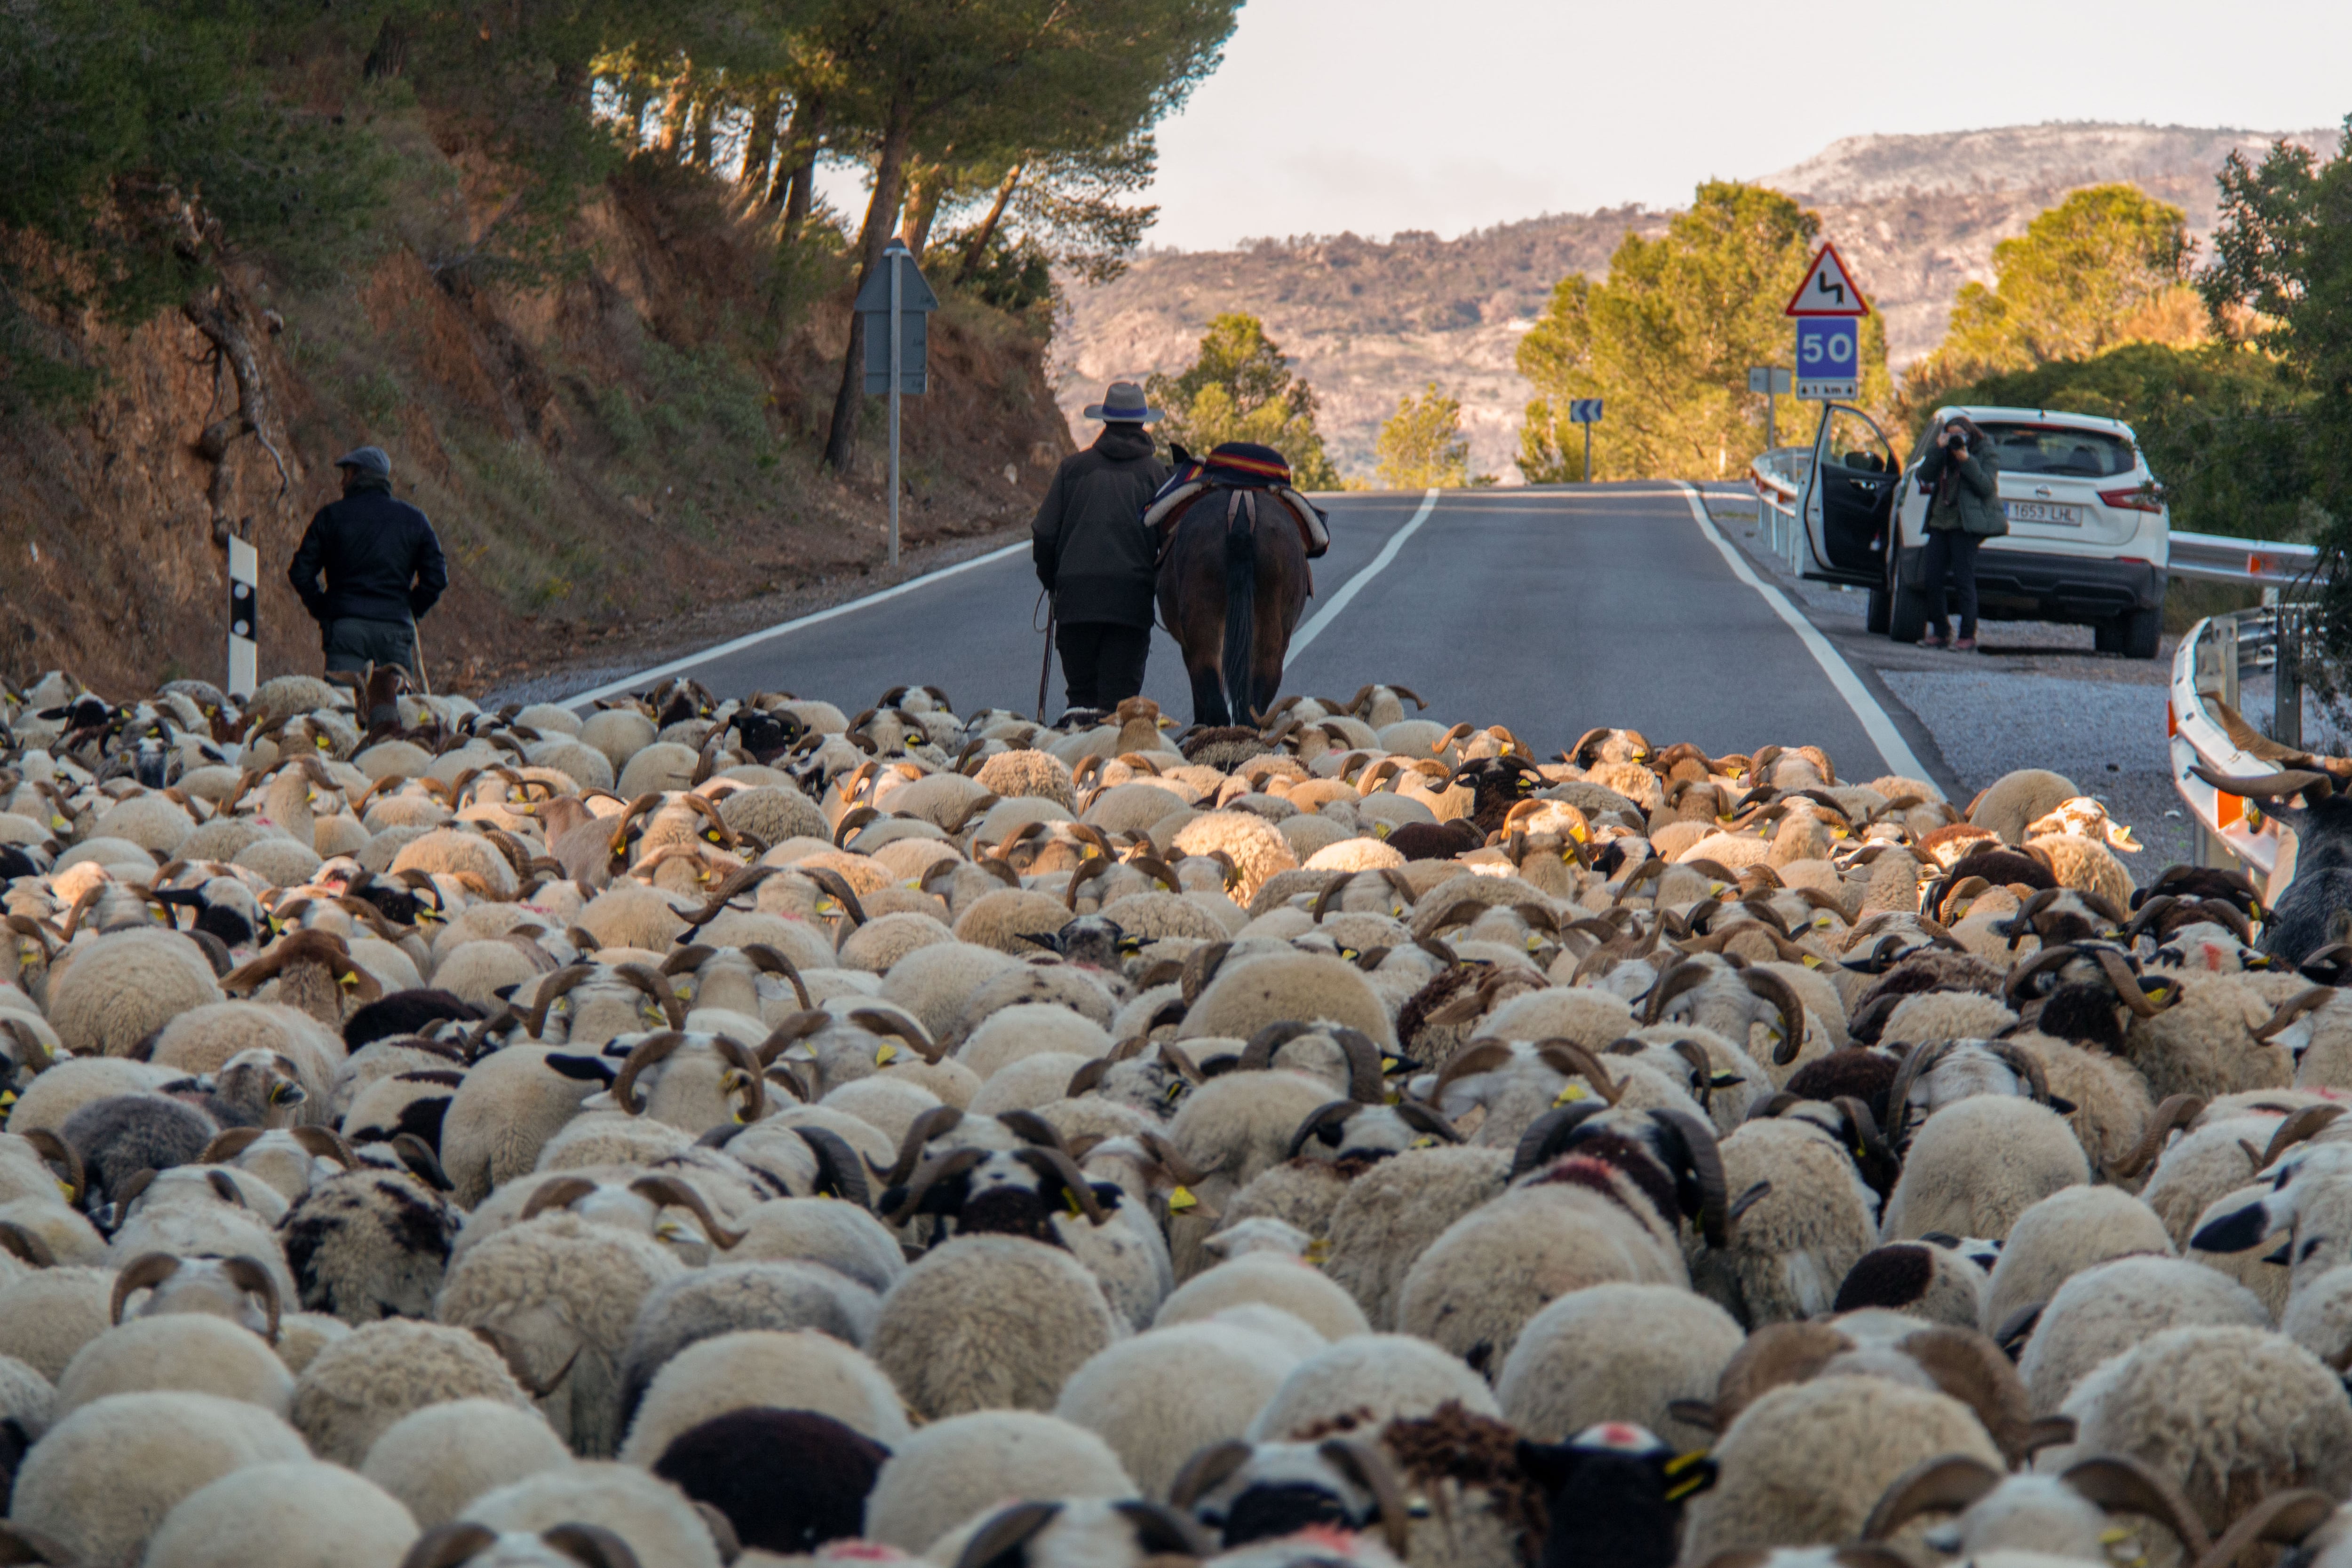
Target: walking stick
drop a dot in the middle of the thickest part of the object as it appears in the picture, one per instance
(1046, 673)
(416, 647)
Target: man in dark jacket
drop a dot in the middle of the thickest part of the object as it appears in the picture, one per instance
(384, 568)
(1096, 557)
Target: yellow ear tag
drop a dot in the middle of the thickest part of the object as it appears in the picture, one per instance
(1774, 1033)
(827, 908)
(1379, 829)
(321, 742)
(1071, 1199)
(884, 1054)
(60, 823)
(1809, 962)
(1176, 1089)
(1573, 1092)
(1182, 1199)
(1388, 1064)
(1396, 911)
(8, 1097)
(347, 978)
(65, 1190)
(1423, 1144)
(1534, 942)
(1317, 1250)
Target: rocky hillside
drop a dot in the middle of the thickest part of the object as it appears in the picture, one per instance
(620, 458)
(1367, 320)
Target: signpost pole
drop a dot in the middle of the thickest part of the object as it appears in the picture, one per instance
(1588, 451)
(1771, 436)
(897, 372)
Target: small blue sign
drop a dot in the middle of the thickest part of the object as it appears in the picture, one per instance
(1584, 411)
(1829, 357)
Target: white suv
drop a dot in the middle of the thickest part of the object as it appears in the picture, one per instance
(2088, 539)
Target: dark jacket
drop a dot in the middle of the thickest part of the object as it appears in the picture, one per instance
(1973, 502)
(382, 560)
(1090, 542)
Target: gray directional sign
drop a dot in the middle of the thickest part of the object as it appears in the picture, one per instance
(896, 292)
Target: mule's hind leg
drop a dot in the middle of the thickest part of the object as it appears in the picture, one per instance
(1208, 694)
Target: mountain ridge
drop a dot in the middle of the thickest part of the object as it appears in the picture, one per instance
(1366, 321)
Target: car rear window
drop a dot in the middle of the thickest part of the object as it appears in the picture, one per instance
(2057, 449)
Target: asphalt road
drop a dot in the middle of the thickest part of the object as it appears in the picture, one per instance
(1550, 611)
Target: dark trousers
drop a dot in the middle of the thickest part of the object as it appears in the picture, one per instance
(1102, 661)
(354, 644)
(1952, 552)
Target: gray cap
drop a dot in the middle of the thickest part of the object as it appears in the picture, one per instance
(367, 460)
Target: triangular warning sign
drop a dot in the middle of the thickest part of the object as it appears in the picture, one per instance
(1829, 289)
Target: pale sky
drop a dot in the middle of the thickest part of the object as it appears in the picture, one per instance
(1377, 115)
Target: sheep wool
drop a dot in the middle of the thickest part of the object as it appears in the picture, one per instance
(1979, 1163)
(800, 1370)
(1617, 1352)
(355, 1389)
(1161, 1397)
(2071, 1230)
(1374, 1379)
(1806, 1462)
(990, 1322)
(653, 1518)
(1391, 1214)
(437, 1459)
(297, 1515)
(107, 1476)
(189, 1353)
(951, 1469)
(2230, 1414)
(1267, 1279)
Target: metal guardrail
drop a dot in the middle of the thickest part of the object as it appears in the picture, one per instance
(1779, 477)
(2218, 652)
(2220, 558)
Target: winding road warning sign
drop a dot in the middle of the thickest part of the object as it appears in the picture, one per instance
(1829, 289)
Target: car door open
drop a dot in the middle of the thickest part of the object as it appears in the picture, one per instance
(1849, 498)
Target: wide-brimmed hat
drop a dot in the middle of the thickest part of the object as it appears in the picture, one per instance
(1124, 405)
(367, 460)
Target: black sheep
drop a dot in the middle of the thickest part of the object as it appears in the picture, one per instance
(788, 1481)
(1614, 1495)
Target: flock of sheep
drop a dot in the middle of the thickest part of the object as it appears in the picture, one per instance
(700, 1132)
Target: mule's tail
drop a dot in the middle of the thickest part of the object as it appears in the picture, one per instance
(1241, 611)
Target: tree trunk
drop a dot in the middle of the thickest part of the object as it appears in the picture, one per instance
(673, 131)
(889, 182)
(760, 143)
(702, 136)
(926, 189)
(797, 166)
(639, 95)
(977, 251)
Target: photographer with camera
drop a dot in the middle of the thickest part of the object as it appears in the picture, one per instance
(1963, 474)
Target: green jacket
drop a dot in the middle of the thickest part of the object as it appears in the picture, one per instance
(1974, 504)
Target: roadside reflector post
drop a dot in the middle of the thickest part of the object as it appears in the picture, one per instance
(244, 619)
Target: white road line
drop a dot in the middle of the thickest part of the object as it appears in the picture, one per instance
(1881, 729)
(646, 676)
(1339, 602)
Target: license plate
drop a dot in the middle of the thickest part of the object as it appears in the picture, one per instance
(2042, 512)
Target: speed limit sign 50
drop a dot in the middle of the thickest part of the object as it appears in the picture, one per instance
(1829, 357)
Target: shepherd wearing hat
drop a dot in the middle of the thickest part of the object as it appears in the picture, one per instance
(1096, 557)
(384, 568)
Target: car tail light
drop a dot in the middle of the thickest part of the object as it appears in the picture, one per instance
(2139, 498)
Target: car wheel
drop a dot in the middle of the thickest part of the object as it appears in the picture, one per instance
(1907, 613)
(2140, 632)
(2107, 637)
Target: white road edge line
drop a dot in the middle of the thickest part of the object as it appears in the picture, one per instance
(1892, 748)
(1338, 601)
(752, 640)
